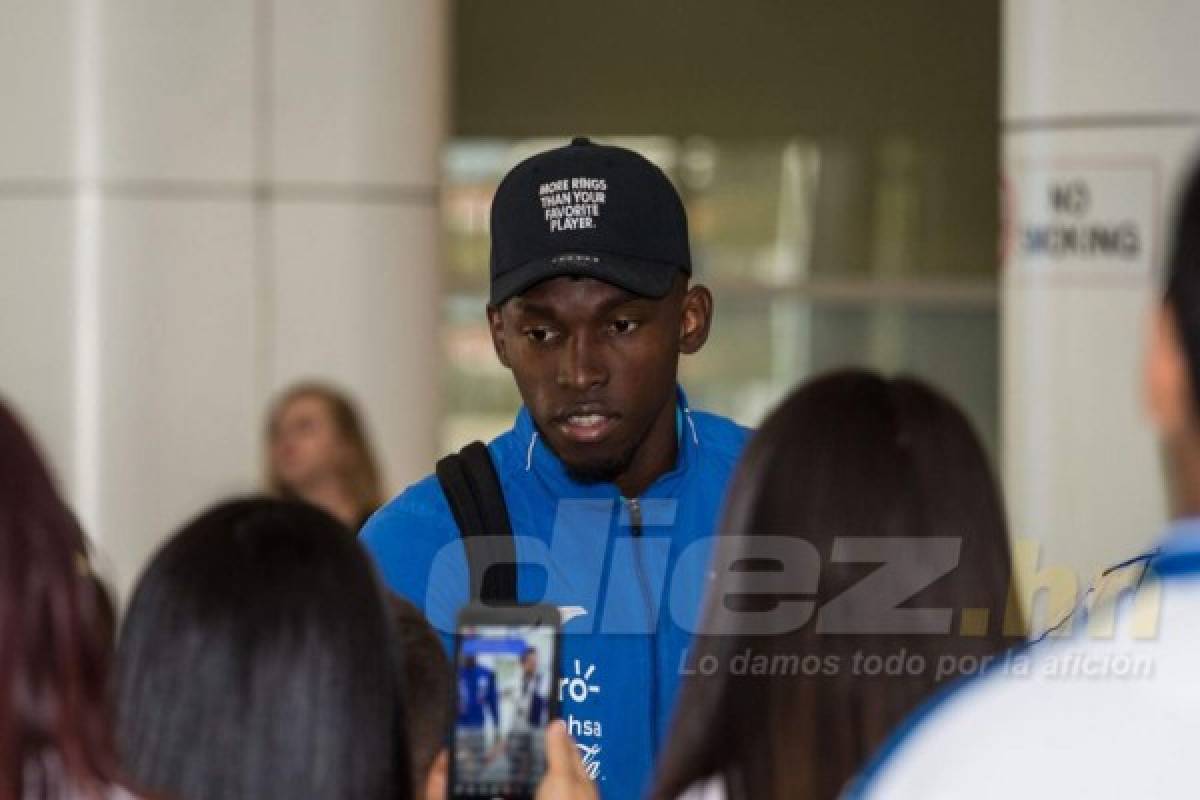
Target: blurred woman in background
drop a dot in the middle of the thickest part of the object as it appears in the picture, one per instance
(255, 662)
(56, 627)
(318, 452)
(889, 484)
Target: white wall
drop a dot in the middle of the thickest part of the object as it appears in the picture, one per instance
(199, 204)
(1100, 92)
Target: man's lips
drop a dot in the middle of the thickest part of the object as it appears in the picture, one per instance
(586, 425)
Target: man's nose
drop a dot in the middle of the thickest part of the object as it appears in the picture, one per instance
(582, 365)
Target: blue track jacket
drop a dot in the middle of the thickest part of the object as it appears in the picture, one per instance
(477, 697)
(629, 575)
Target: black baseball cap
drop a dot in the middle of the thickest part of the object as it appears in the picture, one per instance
(589, 210)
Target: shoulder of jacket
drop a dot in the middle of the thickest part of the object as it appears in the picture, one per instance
(425, 498)
(422, 504)
(509, 454)
(719, 435)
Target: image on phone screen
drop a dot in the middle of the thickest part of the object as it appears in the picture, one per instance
(505, 681)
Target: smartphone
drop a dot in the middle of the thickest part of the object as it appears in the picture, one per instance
(506, 661)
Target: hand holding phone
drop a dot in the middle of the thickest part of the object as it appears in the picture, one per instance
(566, 778)
(506, 661)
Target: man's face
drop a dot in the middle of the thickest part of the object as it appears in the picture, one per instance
(596, 365)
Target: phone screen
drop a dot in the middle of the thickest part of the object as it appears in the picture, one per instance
(505, 687)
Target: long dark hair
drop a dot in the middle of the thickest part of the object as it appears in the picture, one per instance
(430, 695)
(1183, 276)
(847, 456)
(55, 637)
(255, 661)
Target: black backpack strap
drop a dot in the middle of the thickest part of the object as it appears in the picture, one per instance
(472, 488)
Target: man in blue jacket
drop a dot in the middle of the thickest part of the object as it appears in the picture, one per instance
(612, 483)
(477, 696)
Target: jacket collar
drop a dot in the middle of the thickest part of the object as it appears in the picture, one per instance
(538, 459)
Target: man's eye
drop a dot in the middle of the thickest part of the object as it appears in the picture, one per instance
(623, 326)
(541, 335)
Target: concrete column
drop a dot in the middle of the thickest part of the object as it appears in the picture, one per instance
(200, 203)
(1101, 117)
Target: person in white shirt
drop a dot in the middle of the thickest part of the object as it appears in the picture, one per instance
(1112, 711)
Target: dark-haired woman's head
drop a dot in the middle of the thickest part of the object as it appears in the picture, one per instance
(55, 637)
(430, 696)
(903, 556)
(255, 661)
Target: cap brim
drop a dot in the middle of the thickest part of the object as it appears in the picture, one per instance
(645, 278)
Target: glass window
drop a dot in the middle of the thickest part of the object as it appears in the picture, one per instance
(819, 254)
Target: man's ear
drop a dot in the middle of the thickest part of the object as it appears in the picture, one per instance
(495, 317)
(1166, 382)
(696, 320)
(439, 777)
